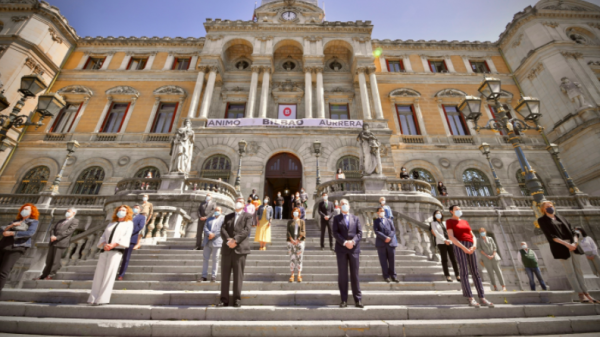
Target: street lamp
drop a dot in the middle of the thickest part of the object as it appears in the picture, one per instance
(241, 150)
(485, 150)
(317, 150)
(71, 146)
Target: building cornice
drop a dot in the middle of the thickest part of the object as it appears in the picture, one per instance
(219, 25)
(140, 41)
(388, 44)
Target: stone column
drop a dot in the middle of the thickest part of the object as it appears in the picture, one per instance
(107, 60)
(125, 61)
(193, 62)
(197, 92)
(252, 93)
(264, 97)
(152, 115)
(364, 94)
(83, 61)
(150, 61)
(208, 93)
(375, 93)
(308, 92)
(103, 114)
(128, 115)
(320, 93)
(169, 62)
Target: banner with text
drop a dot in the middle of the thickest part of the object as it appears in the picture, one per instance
(283, 123)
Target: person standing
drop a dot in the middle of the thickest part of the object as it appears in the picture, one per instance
(438, 229)
(563, 245)
(298, 204)
(256, 204)
(326, 210)
(340, 174)
(530, 262)
(212, 244)
(403, 173)
(115, 239)
(442, 190)
(253, 194)
(206, 209)
(296, 234)
(147, 210)
(236, 246)
(465, 247)
(139, 221)
(60, 238)
(279, 206)
(347, 231)
(304, 198)
(590, 249)
(250, 209)
(415, 175)
(263, 231)
(337, 209)
(386, 244)
(16, 239)
(491, 259)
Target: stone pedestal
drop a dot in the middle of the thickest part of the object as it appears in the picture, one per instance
(172, 183)
(45, 199)
(587, 113)
(374, 183)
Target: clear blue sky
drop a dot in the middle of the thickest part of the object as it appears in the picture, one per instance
(471, 20)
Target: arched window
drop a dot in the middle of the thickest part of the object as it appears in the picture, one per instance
(89, 181)
(477, 184)
(217, 166)
(521, 181)
(350, 165)
(34, 180)
(143, 173)
(428, 177)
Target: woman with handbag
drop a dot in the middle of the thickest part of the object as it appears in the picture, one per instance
(114, 241)
(16, 239)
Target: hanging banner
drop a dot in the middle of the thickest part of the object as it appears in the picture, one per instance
(283, 123)
(287, 111)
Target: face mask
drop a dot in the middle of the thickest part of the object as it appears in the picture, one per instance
(208, 198)
(383, 202)
(239, 205)
(121, 214)
(523, 247)
(345, 208)
(278, 194)
(266, 201)
(68, 215)
(550, 210)
(382, 214)
(296, 214)
(325, 198)
(302, 191)
(25, 213)
(145, 199)
(482, 234)
(458, 213)
(438, 216)
(578, 232)
(136, 211)
(297, 195)
(217, 214)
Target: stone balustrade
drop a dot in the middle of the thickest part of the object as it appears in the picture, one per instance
(167, 222)
(408, 185)
(138, 184)
(471, 202)
(340, 185)
(196, 185)
(84, 246)
(57, 200)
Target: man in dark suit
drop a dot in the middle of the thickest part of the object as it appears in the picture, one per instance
(386, 244)
(139, 221)
(236, 246)
(347, 231)
(60, 238)
(205, 210)
(326, 209)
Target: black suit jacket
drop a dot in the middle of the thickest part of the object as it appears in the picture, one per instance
(326, 211)
(552, 231)
(63, 231)
(341, 233)
(239, 231)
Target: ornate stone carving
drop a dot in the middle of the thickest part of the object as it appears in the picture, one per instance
(518, 41)
(574, 55)
(35, 67)
(445, 163)
(252, 148)
(170, 90)
(405, 92)
(288, 91)
(19, 18)
(264, 38)
(370, 152)
(573, 91)
(21, 2)
(497, 163)
(594, 63)
(450, 93)
(361, 39)
(594, 25)
(361, 70)
(182, 149)
(55, 36)
(123, 90)
(214, 37)
(313, 38)
(123, 161)
(562, 7)
(578, 38)
(550, 24)
(76, 91)
(3, 49)
(535, 71)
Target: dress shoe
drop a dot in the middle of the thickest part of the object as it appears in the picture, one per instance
(322, 248)
(213, 279)
(387, 280)
(238, 304)
(221, 305)
(359, 304)
(395, 280)
(343, 305)
(197, 248)
(204, 279)
(120, 278)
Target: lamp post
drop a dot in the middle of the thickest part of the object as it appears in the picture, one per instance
(48, 106)
(241, 150)
(71, 146)
(317, 150)
(485, 150)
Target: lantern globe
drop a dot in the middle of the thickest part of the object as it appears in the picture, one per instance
(31, 85)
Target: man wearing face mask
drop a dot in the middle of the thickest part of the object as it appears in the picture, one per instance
(530, 262)
(236, 246)
(347, 231)
(212, 243)
(304, 198)
(139, 221)
(60, 238)
(279, 201)
(206, 209)
(326, 210)
(386, 244)
(147, 209)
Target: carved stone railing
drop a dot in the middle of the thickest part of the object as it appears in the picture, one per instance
(414, 237)
(341, 185)
(463, 140)
(78, 200)
(194, 185)
(165, 218)
(84, 246)
(55, 137)
(106, 137)
(138, 184)
(522, 202)
(471, 202)
(564, 201)
(595, 201)
(408, 185)
(412, 139)
(157, 137)
(18, 199)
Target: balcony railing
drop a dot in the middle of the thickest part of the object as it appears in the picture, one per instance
(16, 200)
(138, 184)
(463, 139)
(412, 139)
(341, 185)
(471, 202)
(210, 185)
(408, 185)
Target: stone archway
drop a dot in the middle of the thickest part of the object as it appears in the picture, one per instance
(283, 173)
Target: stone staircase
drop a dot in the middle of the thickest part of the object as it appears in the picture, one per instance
(160, 296)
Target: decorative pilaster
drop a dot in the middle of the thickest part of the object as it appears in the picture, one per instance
(83, 61)
(253, 90)
(364, 94)
(150, 61)
(308, 92)
(128, 115)
(264, 97)
(103, 115)
(169, 62)
(152, 115)
(197, 92)
(208, 93)
(320, 93)
(375, 93)
(107, 60)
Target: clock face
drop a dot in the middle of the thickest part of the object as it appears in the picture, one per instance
(289, 16)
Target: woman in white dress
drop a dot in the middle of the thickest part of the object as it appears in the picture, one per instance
(114, 241)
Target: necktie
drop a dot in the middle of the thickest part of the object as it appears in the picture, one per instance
(347, 222)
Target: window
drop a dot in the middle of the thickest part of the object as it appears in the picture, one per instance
(89, 181)
(235, 111)
(408, 120)
(456, 121)
(94, 63)
(289, 66)
(137, 63)
(438, 66)
(428, 177)
(115, 118)
(34, 180)
(65, 118)
(143, 172)
(181, 63)
(217, 166)
(524, 190)
(350, 165)
(241, 65)
(477, 184)
(335, 65)
(395, 66)
(508, 114)
(164, 118)
(480, 67)
(339, 111)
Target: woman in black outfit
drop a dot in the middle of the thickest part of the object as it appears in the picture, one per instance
(403, 173)
(442, 189)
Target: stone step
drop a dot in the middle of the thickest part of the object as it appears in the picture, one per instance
(333, 328)
(279, 298)
(172, 258)
(258, 263)
(316, 251)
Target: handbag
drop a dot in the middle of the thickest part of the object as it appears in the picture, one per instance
(22, 227)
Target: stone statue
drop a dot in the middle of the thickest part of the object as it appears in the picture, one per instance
(573, 91)
(577, 38)
(369, 146)
(182, 148)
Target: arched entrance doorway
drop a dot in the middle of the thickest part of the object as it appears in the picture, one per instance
(283, 174)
